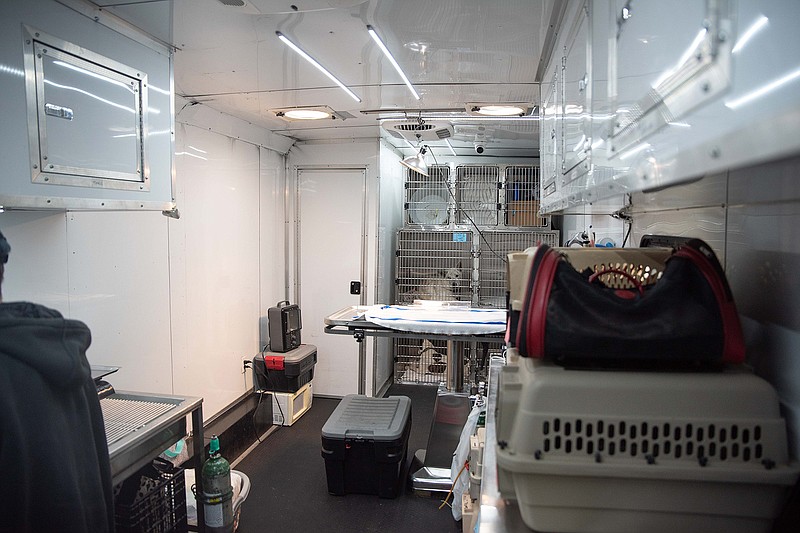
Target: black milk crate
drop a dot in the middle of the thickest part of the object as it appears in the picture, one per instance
(153, 500)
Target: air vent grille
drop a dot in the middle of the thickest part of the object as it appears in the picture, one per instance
(415, 131)
(415, 127)
(233, 3)
(658, 440)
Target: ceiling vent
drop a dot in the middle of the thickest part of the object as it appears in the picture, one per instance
(419, 131)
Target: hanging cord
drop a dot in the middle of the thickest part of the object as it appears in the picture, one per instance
(480, 233)
(263, 372)
(444, 502)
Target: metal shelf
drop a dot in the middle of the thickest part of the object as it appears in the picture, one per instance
(139, 426)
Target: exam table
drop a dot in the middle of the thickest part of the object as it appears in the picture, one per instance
(453, 322)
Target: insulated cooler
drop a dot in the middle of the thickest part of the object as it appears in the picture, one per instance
(618, 452)
(287, 371)
(364, 444)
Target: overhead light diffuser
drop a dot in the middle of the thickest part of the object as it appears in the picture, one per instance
(307, 114)
(314, 62)
(392, 60)
(505, 109)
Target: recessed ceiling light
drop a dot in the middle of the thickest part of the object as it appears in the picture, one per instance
(317, 112)
(307, 114)
(498, 110)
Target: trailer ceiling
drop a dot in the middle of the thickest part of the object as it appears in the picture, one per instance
(455, 52)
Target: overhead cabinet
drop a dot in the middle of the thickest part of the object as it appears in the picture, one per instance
(631, 103)
(88, 111)
(86, 119)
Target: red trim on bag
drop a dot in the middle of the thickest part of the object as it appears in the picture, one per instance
(625, 294)
(537, 316)
(733, 349)
(521, 339)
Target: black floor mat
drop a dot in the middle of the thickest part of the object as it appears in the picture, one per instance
(289, 487)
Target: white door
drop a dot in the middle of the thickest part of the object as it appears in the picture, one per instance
(331, 219)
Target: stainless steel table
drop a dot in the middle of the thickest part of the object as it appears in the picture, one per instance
(139, 426)
(444, 436)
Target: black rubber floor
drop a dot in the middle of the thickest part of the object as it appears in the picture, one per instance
(289, 486)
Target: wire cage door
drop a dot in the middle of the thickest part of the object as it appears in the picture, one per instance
(477, 194)
(522, 197)
(428, 198)
(433, 265)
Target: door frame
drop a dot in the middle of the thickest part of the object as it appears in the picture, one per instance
(363, 274)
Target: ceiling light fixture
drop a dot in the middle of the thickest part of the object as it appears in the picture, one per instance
(393, 61)
(417, 162)
(499, 110)
(314, 62)
(307, 114)
(507, 109)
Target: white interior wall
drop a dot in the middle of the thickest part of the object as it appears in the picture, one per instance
(175, 303)
(749, 217)
(596, 218)
(214, 264)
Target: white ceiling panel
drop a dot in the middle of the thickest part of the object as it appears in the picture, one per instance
(453, 51)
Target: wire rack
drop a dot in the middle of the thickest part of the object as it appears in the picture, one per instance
(123, 416)
(522, 197)
(428, 197)
(477, 194)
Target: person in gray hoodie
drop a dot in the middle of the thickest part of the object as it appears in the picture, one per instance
(54, 467)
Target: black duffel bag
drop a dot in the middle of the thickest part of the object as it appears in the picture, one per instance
(687, 319)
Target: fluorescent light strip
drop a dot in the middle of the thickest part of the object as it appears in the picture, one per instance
(322, 69)
(749, 33)
(389, 55)
(764, 89)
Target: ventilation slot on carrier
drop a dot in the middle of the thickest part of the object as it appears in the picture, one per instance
(664, 441)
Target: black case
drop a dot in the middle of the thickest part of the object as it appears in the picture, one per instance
(281, 338)
(364, 444)
(285, 372)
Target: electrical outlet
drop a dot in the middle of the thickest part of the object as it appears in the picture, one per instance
(246, 363)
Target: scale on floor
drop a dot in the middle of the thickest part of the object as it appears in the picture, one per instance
(450, 414)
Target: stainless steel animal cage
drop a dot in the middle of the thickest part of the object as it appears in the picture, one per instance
(428, 198)
(487, 196)
(477, 194)
(433, 265)
(522, 197)
(459, 265)
(493, 247)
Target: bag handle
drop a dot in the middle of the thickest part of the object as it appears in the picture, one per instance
(636, 282)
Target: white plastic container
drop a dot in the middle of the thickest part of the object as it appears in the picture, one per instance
(288, 407)
(633, 451)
